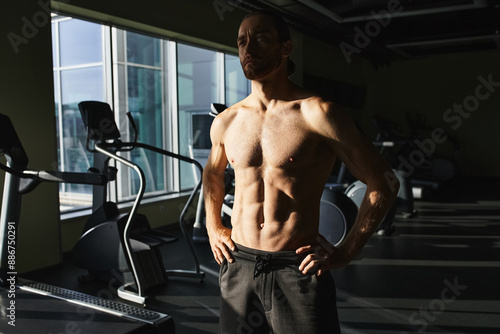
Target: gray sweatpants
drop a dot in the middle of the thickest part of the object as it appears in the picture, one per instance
(264, 292)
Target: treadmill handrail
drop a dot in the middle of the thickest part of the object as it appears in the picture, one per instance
(70, 177)
(14, 171)
(30, 179)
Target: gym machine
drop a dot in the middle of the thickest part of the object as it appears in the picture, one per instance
(337, 214)
(404, 201)
(114, 243)
(403, 205)
(426, 170)
(64, 304)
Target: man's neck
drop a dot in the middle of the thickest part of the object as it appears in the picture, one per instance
(277, 88)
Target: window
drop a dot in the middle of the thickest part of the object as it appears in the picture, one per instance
(199, 85)
(139, 63)
(236, 85)
(79, 74)
(166, 86)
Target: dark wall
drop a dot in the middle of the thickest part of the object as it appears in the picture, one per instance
(26, 94)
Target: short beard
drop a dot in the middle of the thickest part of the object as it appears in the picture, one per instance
(262, 70)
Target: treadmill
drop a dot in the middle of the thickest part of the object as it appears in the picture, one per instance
(35, 307)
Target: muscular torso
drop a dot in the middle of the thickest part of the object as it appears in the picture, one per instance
(281, 166)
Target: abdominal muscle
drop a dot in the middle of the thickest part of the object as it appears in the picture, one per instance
(273, 212)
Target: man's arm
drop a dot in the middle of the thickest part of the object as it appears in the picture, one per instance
(366, 164)
(213, 192)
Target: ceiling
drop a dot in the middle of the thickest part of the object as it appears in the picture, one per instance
(384, 30)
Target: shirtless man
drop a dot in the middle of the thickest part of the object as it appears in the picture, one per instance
(282, 142)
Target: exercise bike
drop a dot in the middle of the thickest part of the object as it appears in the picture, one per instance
(124, 244)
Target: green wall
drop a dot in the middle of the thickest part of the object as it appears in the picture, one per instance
(435, 87)
(26, 94)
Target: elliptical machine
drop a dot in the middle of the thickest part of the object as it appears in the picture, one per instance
(114, 243)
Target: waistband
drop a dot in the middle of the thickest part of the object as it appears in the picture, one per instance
(251, 254)
(264, 261)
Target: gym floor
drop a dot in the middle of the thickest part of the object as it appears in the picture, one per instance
(437, 274)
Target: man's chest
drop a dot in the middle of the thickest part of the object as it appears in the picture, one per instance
(272, 140)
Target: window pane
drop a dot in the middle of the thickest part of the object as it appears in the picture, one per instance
(145, 105)
(143, 49)
(198, 88)
(80, 42)
(237, 85)
(76, 86)
(82, 84)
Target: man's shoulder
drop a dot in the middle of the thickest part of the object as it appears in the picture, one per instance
(324, 116)
(231, 112)
(315, 105)
(224, 118)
